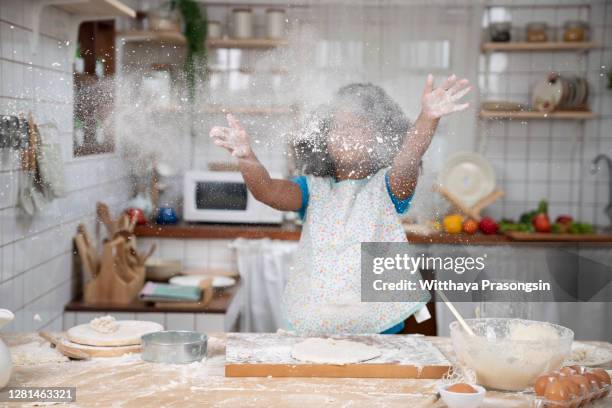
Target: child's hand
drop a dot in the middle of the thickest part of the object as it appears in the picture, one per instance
(233, 138)
(443, 100)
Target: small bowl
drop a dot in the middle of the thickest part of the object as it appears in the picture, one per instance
(160, 270)
(463, 400)
(174, 347)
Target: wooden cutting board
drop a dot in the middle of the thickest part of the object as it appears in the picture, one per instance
(547, 237)
(128, 333)
(100, 351)
(92, 351)
(269, 354)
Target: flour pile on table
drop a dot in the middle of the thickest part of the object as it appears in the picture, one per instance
(104, 324)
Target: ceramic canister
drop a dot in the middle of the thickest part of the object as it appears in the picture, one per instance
(243, 23)
(214, 29)
(275, 23)
(6, 365)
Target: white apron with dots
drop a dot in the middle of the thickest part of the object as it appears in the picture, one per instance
(323, 292)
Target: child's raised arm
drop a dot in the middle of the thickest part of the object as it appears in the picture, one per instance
(283, 195)
(436, 103)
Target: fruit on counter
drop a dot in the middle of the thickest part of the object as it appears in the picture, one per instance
(541, 223)
(538, 221)
(462, 388)
(564, 219)
(488, 226)
(470, 226)
(507, 225)
(530, 215)
(573, 228)
(453, 223)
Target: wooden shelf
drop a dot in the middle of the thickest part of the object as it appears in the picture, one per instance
(245, 43)
(270, 71)
(525, 115)
(542, 46)
(219, 304)
(250, 110)
(217, 231)
(96, 8)
(161, 37)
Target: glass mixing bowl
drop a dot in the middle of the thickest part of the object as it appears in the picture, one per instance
(509, 354)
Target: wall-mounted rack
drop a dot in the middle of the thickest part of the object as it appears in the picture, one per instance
(539, 46)
(14, 132)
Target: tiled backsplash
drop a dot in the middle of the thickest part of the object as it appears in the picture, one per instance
(195, 253)
(36, 252)
(550, 159)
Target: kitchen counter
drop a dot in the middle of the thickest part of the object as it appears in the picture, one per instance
(292, 233)
(135, 383)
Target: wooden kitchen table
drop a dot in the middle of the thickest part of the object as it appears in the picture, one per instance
(129, 382)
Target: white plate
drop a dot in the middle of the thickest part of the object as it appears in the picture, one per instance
(588, 355)
(547, 93)
(194, 280)
(468, 176)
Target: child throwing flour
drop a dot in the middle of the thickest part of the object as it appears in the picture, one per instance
(362, 164)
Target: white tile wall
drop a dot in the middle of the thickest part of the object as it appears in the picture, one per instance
(202, 322)
(195, 253)
(36, 276)
(539, 159)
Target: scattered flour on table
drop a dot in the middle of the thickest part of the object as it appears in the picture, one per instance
(104, 324)
(33, 353)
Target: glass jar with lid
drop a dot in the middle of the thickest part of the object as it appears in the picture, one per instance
(537, 32)
(500, 32)
(575, 31)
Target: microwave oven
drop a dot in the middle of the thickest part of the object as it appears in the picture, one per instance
(223, 197)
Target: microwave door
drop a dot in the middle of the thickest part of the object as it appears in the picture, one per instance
(221, 195)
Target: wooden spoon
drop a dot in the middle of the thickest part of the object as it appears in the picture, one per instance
(57, 344)
(454, 311)
(103, 214)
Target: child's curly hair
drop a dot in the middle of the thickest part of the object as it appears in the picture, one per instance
(381, 114)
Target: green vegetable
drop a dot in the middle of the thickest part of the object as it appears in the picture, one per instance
(196, 27)
(542, 207)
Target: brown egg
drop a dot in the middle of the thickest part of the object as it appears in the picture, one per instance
(567, 371)
(574, 393)
(595, 384)
(555, 392)
(578, 369)
(604, 377)
(462, 388)
(584, 385)
(541, 382)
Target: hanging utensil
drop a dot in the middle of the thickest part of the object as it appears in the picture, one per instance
(103, 214)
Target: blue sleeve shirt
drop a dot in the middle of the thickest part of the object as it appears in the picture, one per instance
(401, 206)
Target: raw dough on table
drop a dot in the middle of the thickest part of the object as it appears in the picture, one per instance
(331, 351)
(104, 324)
(128, 333)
